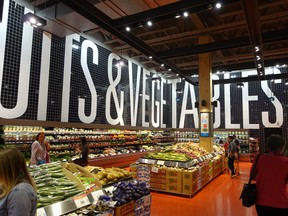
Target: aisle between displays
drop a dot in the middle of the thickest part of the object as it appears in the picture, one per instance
(220, 197)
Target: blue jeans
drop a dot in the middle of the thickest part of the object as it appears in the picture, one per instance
(231, 164)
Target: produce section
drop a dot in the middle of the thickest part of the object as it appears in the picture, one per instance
(186, 177)
(242, 136)
(65, 142)
(54, 183)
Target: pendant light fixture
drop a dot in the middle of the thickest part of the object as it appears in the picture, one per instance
(33, 20)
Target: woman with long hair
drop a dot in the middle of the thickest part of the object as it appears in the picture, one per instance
(17, 189)
(38, 150)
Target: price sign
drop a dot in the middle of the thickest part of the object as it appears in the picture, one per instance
(160, 162)
(96, 194)
(41, 212)
(154, 169)
(81, 201)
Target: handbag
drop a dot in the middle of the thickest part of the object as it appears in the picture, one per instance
(248, 194)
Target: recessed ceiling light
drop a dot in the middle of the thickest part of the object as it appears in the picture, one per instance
(162, 65)
(185, 14)
(128, 29)
(149, 23)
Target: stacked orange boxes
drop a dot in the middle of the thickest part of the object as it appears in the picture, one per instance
(158, 178)
(174, 180)
(188, 177)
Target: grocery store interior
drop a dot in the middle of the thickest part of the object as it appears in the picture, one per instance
(152, 88)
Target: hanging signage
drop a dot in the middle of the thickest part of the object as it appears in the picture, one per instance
(205, 124)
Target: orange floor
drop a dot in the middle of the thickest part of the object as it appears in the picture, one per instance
(219, 198)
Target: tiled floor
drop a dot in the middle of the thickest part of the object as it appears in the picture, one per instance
(219, 198)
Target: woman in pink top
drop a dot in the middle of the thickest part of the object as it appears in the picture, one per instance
(272, 179)
(38, 150)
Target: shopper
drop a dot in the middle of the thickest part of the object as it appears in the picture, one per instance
(236, 141)
(232, 149)
(272, 179)
(38, 150)
(47, 156)
(83, 161)
(17, 189)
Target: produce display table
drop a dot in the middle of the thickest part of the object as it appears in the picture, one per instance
(123, 160)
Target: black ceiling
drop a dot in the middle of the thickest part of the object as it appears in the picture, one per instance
(235, 30)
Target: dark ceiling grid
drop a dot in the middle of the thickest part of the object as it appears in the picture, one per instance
(273, 14)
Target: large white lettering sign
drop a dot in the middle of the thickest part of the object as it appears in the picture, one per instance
(130, 93)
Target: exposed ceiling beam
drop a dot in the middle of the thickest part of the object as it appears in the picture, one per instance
(251, 12)
(166, 12)
(239, 66)
(250, 79)
(91, 13)
(222, 45)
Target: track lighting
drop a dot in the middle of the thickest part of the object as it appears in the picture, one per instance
(240, 85)
(120, 63)
(177, 16)
(33, 20)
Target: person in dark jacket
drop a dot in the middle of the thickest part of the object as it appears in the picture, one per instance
(83, 161)
(232, 149)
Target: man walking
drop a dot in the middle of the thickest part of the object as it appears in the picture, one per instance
(232, 149)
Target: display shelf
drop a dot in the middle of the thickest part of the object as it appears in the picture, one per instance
(23, 136)
(71, 204)
(123, 160)
(187, 164)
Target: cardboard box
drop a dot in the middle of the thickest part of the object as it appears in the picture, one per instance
(173, 173)
(126, 209)
(157, 186)
(174, 187)
(173, 180)
(158, 180)
(187, 188)
(158, 175)
(188, 176)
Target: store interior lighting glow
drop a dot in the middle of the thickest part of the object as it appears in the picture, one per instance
(169, 69)
(128, 28)
(33, 20)
(218, 5)
(177, 16)
(258, 57)
(162, 65)
(286, 82)
(119, 63)
(240, 85)
(149, 23)
(74, 46)
(185, 14)
(257, 49)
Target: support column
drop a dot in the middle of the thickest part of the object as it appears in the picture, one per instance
(205, 93)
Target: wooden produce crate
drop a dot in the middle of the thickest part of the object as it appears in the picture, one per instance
(80, 172)
(126, 209)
